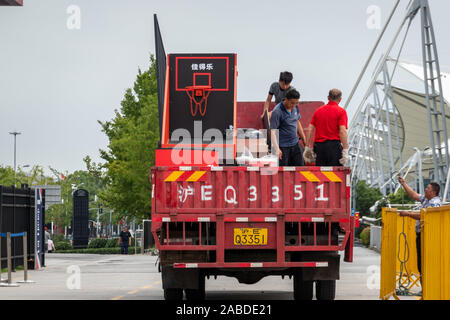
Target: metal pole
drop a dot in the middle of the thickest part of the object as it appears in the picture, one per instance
(134, 232)
(98, 220)
(142, 237)
(8, 251)
(1, 280)
(15, 133)
(386, 55)
(25, 261)
(25, 258)
(447, 186)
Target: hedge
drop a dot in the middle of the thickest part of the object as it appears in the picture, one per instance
(63, 245)
(106, 243)
(365, 236)
(112, 243)
(97, 243)
(100, 250)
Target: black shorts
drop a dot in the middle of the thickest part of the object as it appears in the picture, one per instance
(328, 153)
(292, 156)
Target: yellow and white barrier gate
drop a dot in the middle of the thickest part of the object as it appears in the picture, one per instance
(399, 270)
(436, 253)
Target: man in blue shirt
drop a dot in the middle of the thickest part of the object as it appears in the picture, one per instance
(286, 119)
(430, 199)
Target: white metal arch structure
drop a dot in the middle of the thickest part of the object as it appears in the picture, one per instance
(380, 131)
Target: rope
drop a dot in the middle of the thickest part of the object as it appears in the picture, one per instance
(403, 290)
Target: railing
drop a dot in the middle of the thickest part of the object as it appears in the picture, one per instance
(8, 236)
(399, 265)
(436, 253)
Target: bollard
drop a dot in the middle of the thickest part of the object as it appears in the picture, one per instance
(25, 261)
(8, 251)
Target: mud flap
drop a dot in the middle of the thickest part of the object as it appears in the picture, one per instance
(179, 278)
(323, 273)
(348, 254)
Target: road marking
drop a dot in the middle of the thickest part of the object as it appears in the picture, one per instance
(137, 290)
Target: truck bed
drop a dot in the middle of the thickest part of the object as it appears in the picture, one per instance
(201, 209)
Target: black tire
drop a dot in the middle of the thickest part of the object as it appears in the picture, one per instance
(173, 294)
(196, 294)
(303, 290)
(326, 289)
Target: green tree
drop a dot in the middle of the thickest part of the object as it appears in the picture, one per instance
(6, 175)
(80, 179)
(133, 137)
(400, 197)
(366, 198)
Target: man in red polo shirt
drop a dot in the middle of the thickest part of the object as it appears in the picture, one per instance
(330, 142)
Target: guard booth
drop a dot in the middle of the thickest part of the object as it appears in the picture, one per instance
(23, 210)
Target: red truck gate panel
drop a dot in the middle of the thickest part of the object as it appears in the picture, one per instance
(243, 197)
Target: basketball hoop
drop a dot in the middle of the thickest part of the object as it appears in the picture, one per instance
(198, 92)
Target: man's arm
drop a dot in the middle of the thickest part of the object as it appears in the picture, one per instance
(410, 192)
(344, 136)
(274, 140)
(308, 135)
(309, 154)
(129, 240)
(267, 104)
(412, 214)
(274, 126)
(300, 131)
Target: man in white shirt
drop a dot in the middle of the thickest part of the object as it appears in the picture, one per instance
(430, 199)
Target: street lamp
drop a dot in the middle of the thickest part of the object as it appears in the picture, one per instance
(15, 133)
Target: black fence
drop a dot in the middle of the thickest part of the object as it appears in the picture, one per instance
(17, 214)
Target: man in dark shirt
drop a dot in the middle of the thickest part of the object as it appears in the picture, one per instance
(286, 119)
(124, 240)
(278, 89)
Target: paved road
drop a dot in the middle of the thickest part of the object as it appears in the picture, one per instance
(105, 277)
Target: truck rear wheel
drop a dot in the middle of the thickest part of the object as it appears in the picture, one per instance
(197, 294)
(173, 294)
(303, 289)
(325, 289)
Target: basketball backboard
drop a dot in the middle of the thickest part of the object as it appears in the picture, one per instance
(200, 87)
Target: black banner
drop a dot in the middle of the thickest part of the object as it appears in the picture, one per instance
(160, 71)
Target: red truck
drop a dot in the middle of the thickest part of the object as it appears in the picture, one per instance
(251, 222)
(215, 217)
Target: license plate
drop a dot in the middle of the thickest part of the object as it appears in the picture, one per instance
(250, 236)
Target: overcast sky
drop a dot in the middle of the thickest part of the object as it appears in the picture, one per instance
(57, 80)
